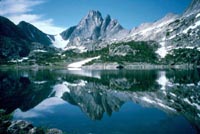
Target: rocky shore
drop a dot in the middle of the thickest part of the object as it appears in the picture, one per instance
(21, 127)
(134, 66)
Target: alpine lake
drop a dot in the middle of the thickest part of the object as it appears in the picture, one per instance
(104, 101)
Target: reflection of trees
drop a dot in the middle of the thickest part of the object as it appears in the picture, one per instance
(133, 80)
(18, 91)
(13, 91)
(184, 76)
(123, 80)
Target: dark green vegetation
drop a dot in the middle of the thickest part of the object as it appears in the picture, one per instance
(137, 52)
(183, 56)
(34, 34)
(121, 53)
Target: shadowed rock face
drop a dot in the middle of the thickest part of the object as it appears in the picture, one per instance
(17, 41)
(175, 92)
(34, 34)
(13, 42)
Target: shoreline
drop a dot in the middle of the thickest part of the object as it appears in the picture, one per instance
(103, 66)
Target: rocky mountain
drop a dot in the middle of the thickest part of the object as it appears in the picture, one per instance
(152, 31)
(184, 31)
(34, 34)
(172, 31)
(92, 32)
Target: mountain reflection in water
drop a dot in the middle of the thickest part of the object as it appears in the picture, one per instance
(82, 101)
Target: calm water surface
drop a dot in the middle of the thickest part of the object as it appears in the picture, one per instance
(104, 102)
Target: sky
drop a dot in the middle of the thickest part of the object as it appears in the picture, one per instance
(55, 16)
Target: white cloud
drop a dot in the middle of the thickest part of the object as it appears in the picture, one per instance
(21, 10)
(17, 6)
(48, 27)
(26, 17)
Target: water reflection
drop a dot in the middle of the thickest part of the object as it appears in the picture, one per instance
(35, 95)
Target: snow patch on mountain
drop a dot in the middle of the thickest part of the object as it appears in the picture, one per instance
(81, 49)
(19, 60)
(198, 15)
(162, 51)
(59, 42)
(192, 27)
(79, 64)
(38, 50)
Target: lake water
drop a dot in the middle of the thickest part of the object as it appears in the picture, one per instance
(104, 102)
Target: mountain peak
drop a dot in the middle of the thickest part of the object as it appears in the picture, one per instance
(33, 33)
(93, 17)
(94, 13)
(108, 17)
(8, 28)
(24, 23)
(92, 29)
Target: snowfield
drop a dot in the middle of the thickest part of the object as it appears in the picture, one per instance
(59, 42)
(162, 51)
(19, 60)
(79, 64)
